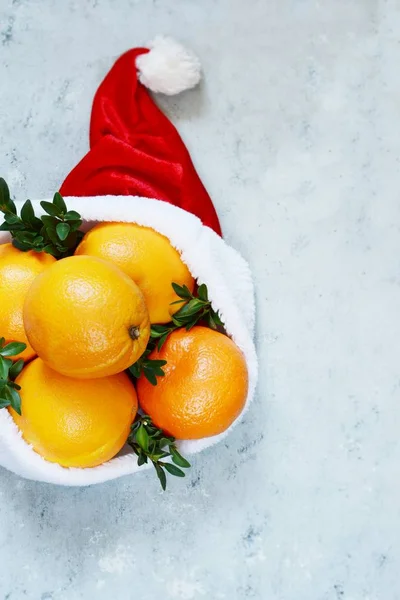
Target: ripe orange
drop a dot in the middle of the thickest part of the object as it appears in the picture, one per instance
(147, 257)
(85, 318)
(72, 422)
(204, 388)
(17, 271)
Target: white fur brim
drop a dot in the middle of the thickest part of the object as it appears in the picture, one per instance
(210, 261)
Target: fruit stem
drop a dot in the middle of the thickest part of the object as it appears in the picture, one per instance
(134, 332)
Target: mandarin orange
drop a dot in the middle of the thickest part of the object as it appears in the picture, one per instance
(204, 388)
(72, 422)
(17, 271)
(147, 257)
(85, 318)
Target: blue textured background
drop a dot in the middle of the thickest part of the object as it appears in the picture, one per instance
(295, 134)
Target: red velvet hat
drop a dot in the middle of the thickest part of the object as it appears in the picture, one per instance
(134, 149)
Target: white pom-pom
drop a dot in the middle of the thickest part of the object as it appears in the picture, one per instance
(168, 68)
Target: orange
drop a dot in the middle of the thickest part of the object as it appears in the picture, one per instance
(72, 422)
(85, 318)
(204, 388)
(147, 257)
(17, 271)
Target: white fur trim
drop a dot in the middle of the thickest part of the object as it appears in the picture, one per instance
(211, 261)
(168, 68)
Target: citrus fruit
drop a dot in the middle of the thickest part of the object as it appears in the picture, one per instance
(204, 387)
(147, 257)
(73, 422)
(17, 271)
(85, 318)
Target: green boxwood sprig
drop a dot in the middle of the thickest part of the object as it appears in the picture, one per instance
(151, 443)
(9, 370)
(196, 308)
(57, 232)
(151, 369)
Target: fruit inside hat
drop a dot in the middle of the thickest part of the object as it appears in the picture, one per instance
(75, 423)
(85, 318)
(204, 388)
(147, 257)
(17, 272)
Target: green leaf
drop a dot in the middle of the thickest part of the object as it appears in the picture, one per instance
(27, 237)
(202, 292)
(161, 476)
(16, 369)
(157, 331)
(165, 441)
(190, 309)
(177, 302)
(12, 349)
(4, 403)
(135, 426)
(12, 219)
(155, 457)
(13, 228)
(182, 291)
(162, 341)
(142, 458)
(63, 230)
(4, 192)
(2, 342)
(37, 224)
(217, 318)
(27, 212)
(16, 227)
(142, 438)
(135, 369)
(152, 447)
(14, 398)
(14, 385)
(38, 241)
(58, 201)
(173, 470)
(191, 324)
(51, 209)
(158, 371)
(52, 235)
(178, 458)
(72, 215)
(49, 222)
(156, 363)
(210, 321)
(4, 368)
(24, 246)
(49, 249)
(150, 376)
(74, 225)
(11, 207)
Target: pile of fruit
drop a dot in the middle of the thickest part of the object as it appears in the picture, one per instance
(107, 340)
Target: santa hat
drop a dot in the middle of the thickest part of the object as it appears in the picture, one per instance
(134, 149)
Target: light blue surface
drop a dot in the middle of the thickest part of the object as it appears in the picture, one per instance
(295, 133)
